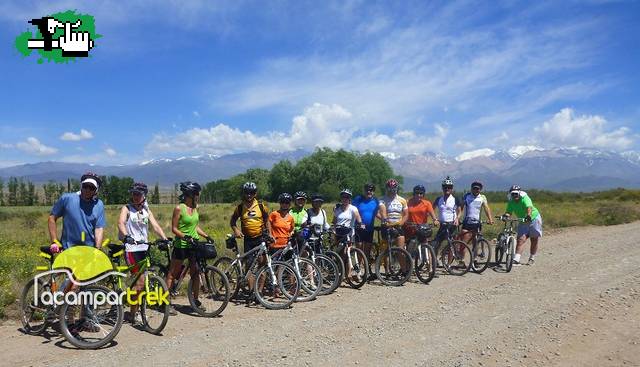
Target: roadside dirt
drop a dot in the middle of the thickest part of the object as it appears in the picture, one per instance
(579, 305)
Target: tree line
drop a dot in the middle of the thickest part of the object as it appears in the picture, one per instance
(21, 192)
(325, 171)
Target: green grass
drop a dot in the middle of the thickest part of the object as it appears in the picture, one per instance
(24, 229)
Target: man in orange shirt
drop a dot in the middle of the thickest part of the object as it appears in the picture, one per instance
(420, 210)
(282, 223)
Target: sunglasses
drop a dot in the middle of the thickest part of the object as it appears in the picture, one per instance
(418, 193)
(345, 197)
(285, 202)
(476, 188)
(447, 187)
(88, 187)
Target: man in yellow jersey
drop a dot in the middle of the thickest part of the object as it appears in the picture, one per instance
(254, 219)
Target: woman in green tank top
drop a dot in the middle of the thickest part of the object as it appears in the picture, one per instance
(184, 224)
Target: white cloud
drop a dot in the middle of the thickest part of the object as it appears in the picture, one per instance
(34, 146)
(484, 152)
(6, 146)
(565, 128)
(463, 144)
(110, 152)
(83, 135)
(319, 125)
(196, 114)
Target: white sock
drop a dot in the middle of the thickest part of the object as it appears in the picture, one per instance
(532, 257)
(516, 258)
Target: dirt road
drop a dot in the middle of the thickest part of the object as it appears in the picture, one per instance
(579, 305)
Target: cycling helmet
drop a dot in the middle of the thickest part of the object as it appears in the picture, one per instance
(369, 187)
(249, 188)
(317, 197)
(477, 184)
(300, 194)
(419, 189)
(392, 184)
(139, 187)
(346, 192)
(447, 182)
(91, 178)
(285, 197)
(189, 188)
(515, 188)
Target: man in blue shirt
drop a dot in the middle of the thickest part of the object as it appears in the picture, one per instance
(367, 205)
(81, 212)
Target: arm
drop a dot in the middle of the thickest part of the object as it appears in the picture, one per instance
(358, 218)
(99, 235)
(382, 211)
(174, 222)
(156, 227)
(405, 216)
(122, 228)
(53, 228)
(487, 211)
(234, 219)
(202, 233)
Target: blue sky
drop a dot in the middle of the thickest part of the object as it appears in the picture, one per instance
(169, 79)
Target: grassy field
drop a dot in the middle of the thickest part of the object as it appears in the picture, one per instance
(24, 229)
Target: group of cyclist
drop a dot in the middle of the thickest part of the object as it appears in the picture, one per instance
(83, 212)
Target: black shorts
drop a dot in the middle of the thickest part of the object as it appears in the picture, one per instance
(182, 253)
(249, 244)
(364, 235)
(473, 227)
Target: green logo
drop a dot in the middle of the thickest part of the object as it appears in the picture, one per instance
(59, 37)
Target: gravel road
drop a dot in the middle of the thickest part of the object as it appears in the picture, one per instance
(579, 305)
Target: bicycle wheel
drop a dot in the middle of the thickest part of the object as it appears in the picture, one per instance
(310, 279)
(425, 263)
(481, 256)
(35, 314)
(277, 287)
(499, 253)
(232, 272)
(358, 275)
(330, 273)
(213, 292)
(456, 257)
(511, 250)
(93, 322)
(389, 266)
(338, 260)
(375, 252)
(155, 314)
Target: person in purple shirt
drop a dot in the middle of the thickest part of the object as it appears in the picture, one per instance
(82, 212)
(367, 205)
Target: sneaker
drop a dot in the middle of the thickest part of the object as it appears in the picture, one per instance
(136, 319)
(172, 311)
(516, 263)
(372, 277)
(531, 261)
(199, 306)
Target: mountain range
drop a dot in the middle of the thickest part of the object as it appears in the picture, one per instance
(562, 169)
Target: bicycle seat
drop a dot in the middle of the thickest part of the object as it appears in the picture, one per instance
(46, 249)
(114, 248)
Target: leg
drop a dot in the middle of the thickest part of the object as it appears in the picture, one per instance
(195, 275)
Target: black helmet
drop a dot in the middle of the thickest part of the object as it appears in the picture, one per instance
(317, 197)
(447, 182)
(91, 176)
(477, 184)
(285, 197)
(189, 188)
(346, 192)
(249, 188)
(419, 189)
(514, 188)
(369, 187)
(300, 194)
(139, 187)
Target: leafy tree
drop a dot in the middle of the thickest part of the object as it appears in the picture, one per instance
(12, 187)
(1, 192)
(155, 195)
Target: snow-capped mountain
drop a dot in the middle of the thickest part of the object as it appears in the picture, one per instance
(575, 169)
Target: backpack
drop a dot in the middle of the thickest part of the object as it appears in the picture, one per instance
(265, 215)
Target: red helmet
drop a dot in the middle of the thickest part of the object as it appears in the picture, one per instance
(392, 184)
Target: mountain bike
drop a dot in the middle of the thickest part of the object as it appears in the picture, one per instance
(506, 244)
(36, 315)
(353, 259)
(480, 250)
(313, 248)
(424, 257)
(275, 284)
(308, 272)
(393, 265)
(212, 293)
(154, 313)
(455, 255)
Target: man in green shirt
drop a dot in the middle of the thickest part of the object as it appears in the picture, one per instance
(521, 205)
